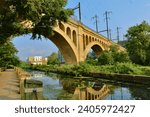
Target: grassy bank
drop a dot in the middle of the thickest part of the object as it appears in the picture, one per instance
(84, 69)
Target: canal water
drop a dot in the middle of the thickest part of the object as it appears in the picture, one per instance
(60, 87)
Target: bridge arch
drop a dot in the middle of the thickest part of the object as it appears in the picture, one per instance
(95, 46)
(65, 45)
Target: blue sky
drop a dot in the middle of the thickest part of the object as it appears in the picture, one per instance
(125, 13)
(28, 47)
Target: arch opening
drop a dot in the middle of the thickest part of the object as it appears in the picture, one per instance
(34, 52)
(97, 50)
(74, 37)
(93, 49)
(69, 54)
(90, 39)
(60, 42)
(61, 26)
(93, 39)
(84, 42)
(68, 32)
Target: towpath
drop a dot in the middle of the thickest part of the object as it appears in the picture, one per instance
(9, 85)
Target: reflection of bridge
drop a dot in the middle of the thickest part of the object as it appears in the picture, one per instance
(90, 93)
(75, 40)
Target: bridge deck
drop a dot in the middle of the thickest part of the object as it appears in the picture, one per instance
(9, 85)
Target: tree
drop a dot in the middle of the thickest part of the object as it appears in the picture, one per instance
(91, 58)
(138, 43)
(8, 55)
(106, 58)
(38, 17)
(113, 56)
(53, 58)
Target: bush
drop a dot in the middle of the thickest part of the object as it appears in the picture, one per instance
(121, 57)
(145, 69)
(113, 56)
(81, 69)
(106, 58)
(126, 68)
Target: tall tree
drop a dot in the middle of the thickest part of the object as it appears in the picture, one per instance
(53, 58)
(8, 55)
(138, 44)
(38, 17)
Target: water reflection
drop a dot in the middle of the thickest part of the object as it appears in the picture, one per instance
(89, 93)
(58, 87)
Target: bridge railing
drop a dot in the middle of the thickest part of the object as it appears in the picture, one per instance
(22, 75)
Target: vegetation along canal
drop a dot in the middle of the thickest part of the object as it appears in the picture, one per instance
(60, 87)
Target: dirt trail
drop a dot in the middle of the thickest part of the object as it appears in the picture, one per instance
(9, 85)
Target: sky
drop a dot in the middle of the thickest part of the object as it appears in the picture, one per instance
(124, 14)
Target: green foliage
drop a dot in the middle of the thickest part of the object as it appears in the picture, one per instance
(106, 58)
(91, 58)
(81, 69)
(24, 65)
(86, 69)
(138, 44)
(121, 57)
(113, 56)
(7, 55)
(126, 68)
(53, 58)
(42, 13)
(145, 69)
(91, 61)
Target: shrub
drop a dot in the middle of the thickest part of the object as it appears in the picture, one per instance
(126, 68)
(106, 58)
(113, 56)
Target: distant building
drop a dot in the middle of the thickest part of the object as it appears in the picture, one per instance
(37, 60)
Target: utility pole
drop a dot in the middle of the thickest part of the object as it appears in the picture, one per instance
(118, 36)
(96, 22)
(78, 7)
(107, 25)
(79, 12)
(110, 34)
(123, 37)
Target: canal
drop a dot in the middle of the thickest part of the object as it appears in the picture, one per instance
(60, 87)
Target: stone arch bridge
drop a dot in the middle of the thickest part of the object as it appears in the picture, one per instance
(74, 40)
